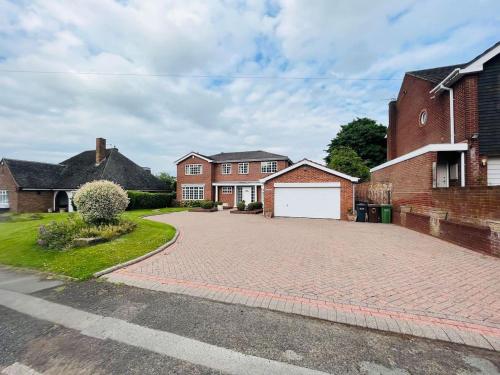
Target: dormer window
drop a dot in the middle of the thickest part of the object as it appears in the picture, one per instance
(423, 117)
(268, 167)
(193, 169)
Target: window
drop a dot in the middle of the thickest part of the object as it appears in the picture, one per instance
(226, 168)
(243, 168)
(4, 199)
(227, 190)
(268, 167)
(193, 192)
(192, 169)
(423, 117)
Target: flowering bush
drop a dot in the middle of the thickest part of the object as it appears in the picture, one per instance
(100, 202)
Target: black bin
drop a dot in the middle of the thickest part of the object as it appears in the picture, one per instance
(374, 213)
(361, 211)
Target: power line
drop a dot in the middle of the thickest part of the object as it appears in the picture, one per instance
(197, 76)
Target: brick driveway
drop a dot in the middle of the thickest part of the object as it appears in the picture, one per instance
(373, 275)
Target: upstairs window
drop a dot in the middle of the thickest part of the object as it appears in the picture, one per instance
(268, 167)
(243, 168)
(192, 169)
(226, 168)
(4, 199)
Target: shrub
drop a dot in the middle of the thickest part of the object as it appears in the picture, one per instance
(219, 203)
(100, 202)
(190, 204)
(254, 206)
(58, 235)
(108, 231)
(241, 206)
(140, 199)
(207, 205)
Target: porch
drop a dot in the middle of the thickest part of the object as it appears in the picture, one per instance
(233, 193)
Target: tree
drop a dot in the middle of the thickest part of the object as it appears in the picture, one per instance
(364, 136)
(170, 181)
(346, 160)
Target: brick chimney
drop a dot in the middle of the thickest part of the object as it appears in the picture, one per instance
(100, 150)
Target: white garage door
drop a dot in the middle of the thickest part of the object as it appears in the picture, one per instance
(313, 200)
(494, 171)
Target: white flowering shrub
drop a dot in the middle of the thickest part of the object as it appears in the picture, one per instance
(100, 202)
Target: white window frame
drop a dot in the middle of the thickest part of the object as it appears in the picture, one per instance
(4, 199)
(226, 168)
(192, 192)
(243, 166)
(269, 167)
(227, 190)
(188, 169)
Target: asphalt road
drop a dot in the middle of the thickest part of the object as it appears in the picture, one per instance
(308, 343)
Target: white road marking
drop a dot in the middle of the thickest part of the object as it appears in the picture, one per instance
(19, 369)
(161, 342)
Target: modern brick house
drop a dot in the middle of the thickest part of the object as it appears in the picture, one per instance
(304, 189)
(443, 152)
(29, 186)
(228, 177)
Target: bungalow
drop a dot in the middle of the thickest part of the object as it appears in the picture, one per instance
(30, 186)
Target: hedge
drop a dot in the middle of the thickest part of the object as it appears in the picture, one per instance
(140, 199)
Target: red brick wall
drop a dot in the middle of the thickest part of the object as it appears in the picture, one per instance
(254, 172)
(405, 133)
(35, 201)
(309, 174)
(469, 204)
(7, 183)
(205, 178)
(411, 180)
(467, 235)
(226, 198)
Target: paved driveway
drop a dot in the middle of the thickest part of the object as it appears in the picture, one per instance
(361, 268)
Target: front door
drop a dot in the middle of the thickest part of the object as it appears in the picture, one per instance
(246, 194)
(442, 175)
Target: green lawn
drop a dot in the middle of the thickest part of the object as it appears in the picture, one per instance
(18, 245)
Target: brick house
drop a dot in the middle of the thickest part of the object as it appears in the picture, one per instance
(304, 189)
(442, 173)
(229, 177)
(29, 186)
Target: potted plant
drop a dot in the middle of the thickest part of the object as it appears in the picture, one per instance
(220, 206)
(351, 215)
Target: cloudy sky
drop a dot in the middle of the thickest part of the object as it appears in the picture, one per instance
(212, 76)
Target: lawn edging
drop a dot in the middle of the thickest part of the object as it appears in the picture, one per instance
(142, 257)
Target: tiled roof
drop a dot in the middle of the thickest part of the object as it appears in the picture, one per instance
(434, 75)
(246, 156)
(81, 168)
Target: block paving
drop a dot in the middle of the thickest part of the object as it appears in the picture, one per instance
(378, 276)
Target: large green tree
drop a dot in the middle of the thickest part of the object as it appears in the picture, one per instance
(170, 181)
(364, 136)
(346, 160)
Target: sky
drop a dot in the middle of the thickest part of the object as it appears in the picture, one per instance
(159, 79)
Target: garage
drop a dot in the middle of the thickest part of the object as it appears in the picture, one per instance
(313, 200)
(308, 190)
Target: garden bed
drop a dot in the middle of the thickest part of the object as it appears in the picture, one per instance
(247, 212)
(18, 245)
(199, 209)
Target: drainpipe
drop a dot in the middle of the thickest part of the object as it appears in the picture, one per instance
(452, 113)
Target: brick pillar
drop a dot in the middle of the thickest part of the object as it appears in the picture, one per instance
(435, 217)
(404, 211)
(100, 150)
(495, 237)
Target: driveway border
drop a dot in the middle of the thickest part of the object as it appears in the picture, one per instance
(142, 257)
(405, 323)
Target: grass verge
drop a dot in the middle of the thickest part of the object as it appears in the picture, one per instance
(18, 245)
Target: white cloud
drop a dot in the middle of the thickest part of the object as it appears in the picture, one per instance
(153, 120)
